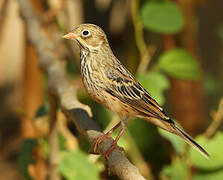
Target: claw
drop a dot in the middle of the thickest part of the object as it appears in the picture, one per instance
(112, 148)
(94, 148)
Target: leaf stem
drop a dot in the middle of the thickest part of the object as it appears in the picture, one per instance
(217, 119)
(143, 50)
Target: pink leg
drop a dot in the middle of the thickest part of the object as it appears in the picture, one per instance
(101, 138)
(114, 145)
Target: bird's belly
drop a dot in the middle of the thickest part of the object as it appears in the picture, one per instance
(122, 109)
(112, 103)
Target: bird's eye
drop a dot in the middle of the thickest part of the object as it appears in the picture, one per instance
(86, 33)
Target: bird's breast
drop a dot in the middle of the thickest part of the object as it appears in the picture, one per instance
(92, 78)
(95, 81)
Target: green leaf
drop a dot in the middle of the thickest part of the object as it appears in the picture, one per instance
(25, 157)
(215, 175)
(156, 83)
(175, 140)
(180, 64)
(214, 147)
(177, 170)
(43, 110)
(162, 17)
(75, 165)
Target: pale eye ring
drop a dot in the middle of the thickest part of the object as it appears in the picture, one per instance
(86, 33)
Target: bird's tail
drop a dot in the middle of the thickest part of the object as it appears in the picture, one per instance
(189, 140)
(170, 126)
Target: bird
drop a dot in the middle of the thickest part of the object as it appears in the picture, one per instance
(109, 83)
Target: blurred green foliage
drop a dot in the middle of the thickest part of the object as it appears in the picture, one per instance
(205, 169)
(215, 147)
(176, 141)
(76, 165)
(25, 159)
(71, 67)
(156, 83)
(214, 175)
(162, 17)
(180, 64)
(141, 129)
(177, 171)
(211, 86)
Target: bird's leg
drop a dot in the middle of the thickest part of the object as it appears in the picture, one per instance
(101, 138)
(114, 145)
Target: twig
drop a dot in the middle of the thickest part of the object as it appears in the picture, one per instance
(144, 53)
(66, 93)
(217, 119)
(53, 139)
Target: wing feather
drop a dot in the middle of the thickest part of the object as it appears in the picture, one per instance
(124, 87)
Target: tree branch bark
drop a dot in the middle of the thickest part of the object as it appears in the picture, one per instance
(66, 93)
(53, 139)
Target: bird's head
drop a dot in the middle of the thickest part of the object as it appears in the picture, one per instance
(88, 36)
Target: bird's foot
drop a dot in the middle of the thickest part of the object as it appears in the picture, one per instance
(112, 148)
(93, 149)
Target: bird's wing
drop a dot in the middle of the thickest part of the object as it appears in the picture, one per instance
(123, 86)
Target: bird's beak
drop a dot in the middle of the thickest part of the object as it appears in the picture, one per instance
(69, 35)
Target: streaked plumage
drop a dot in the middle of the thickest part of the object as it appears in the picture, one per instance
(108, 82)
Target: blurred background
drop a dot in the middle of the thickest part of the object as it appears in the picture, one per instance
(174, 48)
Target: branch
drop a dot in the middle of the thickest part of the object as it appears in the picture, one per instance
(217, 119)
(53, 139)
(143, 50)
(80, 114)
